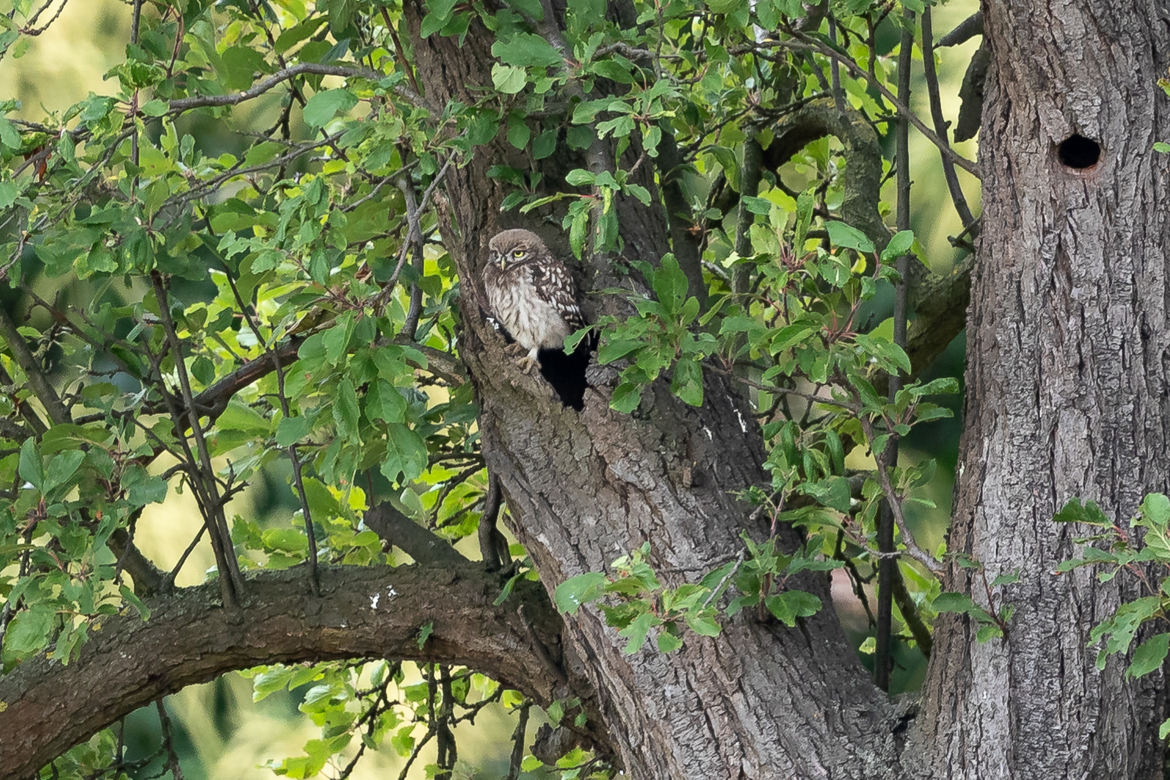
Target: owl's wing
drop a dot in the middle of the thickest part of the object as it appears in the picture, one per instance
(554, 283)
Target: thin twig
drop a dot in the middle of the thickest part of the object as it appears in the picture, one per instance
(940, 123)
(414, 239)
(213, 509)
(932, 564)
(291, 449)
(517, 757)
(168, 741)
(805, 43)
(313, 68)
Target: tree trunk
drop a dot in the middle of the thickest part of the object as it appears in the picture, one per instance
(585, 488)
(1068, 395)
(1067, 390)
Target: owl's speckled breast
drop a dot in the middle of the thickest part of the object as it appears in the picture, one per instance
(528, 318)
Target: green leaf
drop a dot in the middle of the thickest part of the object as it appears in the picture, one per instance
(424, 633)
(1149, 656)
(544, 145)
(832, 492)
(8, 193)
(792, 604)
(668, 642)
(626, 397)
(345, 408)
(508, 79)
(28, 633)
(1156, 510)
(670, 284)
(241, 417)
(1008, 578)
(61, 468)
(637, 631)
(575, 338)
(687, 382)
(1088, 513)
(804, 213)
(285, 540)
(438, 14)
(325, 105)
(385, 402)
(703, 624)
(29, 465)
(270, 681)
(756, 205)
(616, 350)
(898, 246)
(847, 236)
(956, 602)
(888, 354)
(582, 589)
(518, 133)
(142, 487)
(579, 177)
(527, 50)
(9, 137)
(406, 453)
(291, 430)
(987, 632)
(131, 598)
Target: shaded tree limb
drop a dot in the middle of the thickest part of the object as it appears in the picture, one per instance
(887, 567)
(964, 30)
(363, 612)
(678, 211)
(863, 175)
(32, 370)
(939, 302)
(395, 528)
(493, 547)
(148, 578)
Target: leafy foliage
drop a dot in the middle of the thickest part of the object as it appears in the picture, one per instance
(1112, 548)
(226, 274)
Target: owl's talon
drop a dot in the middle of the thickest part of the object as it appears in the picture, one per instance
(527, 363)
(515, 348)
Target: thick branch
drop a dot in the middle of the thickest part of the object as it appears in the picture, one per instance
(419, 543)
(863, 175)
(46, 707)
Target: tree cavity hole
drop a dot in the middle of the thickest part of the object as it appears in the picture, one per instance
(1078, 152)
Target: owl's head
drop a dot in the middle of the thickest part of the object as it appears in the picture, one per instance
(512, 247)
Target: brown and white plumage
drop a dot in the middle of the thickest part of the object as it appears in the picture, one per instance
(531, 293)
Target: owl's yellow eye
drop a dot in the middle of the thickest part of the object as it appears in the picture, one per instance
(519, 254)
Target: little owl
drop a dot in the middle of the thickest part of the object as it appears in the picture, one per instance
(531, 293)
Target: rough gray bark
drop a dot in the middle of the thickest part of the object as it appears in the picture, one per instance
(1068, 391)
(582, 489)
